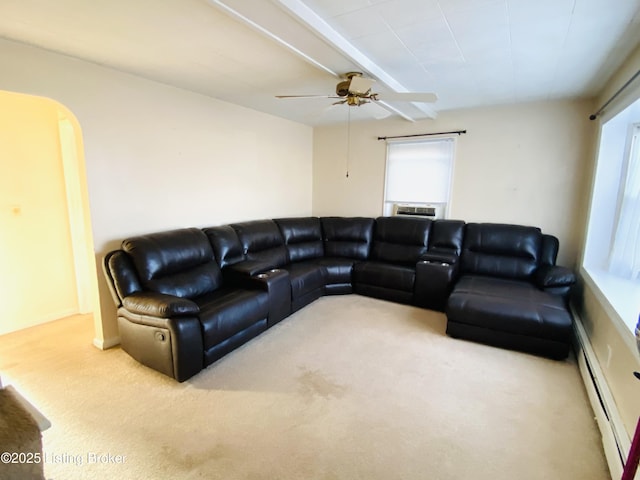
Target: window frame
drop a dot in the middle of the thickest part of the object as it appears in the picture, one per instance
(432, 139)
(610, 290)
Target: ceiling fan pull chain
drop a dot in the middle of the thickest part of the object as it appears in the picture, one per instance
(348, 137)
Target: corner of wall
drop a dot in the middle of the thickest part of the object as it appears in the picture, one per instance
(105, 344)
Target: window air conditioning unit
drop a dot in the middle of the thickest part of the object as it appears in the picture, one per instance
(433, 211)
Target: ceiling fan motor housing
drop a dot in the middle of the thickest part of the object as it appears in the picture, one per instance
(342, 89)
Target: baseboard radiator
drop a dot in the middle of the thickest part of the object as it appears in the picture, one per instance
(615, 439)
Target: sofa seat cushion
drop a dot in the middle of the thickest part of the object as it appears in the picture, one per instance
(229, 311)
(510, 306)
(305, 277)
(338, 270)
(386, 275)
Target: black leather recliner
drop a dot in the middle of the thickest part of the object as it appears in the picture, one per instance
(303, 242)
(389, 273)
(346, 242)
(175, 313)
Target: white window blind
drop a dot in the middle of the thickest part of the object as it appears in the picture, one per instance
(625, 254)
(418, 172)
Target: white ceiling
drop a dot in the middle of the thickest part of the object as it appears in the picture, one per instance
(470, 52)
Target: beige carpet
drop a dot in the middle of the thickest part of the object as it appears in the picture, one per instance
(348, 388)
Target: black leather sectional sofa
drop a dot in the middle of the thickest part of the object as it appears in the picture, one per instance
(188, 297)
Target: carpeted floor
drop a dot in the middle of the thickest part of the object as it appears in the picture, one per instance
(20, 440)
(348, 388)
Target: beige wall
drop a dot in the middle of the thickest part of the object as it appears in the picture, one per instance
(517, 164)
(606, 332)
(37, 282)
(158, 157)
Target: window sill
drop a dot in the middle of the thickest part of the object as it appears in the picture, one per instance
(622, 295)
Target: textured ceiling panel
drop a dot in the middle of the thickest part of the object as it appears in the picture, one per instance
(469, 52)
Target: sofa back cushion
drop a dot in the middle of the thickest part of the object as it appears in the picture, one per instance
(400, 240)
(348, 237)
(262, 242)
(225, 244)
(507, 251)
(176, 262)
(446, 236)
(302, 237)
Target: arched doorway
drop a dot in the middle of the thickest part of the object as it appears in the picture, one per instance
(46, 246)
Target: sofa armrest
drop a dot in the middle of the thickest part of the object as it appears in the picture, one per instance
(555, 279)
(159, 305)
(436, 274)
(239, 273)
(276, 283)
(549, 276)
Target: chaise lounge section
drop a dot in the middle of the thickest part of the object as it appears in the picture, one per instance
(188, 297)
(500, 297)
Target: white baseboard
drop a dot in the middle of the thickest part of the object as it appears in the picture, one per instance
(50, 317)
(615, 440)
(106, 343)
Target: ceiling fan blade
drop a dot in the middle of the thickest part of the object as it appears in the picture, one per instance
(360, 85)
(305, 96)
(407, 97)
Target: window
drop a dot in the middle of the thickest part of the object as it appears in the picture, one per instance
(612, 251)
(419, 173)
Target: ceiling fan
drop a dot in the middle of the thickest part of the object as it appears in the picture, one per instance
(355, 90)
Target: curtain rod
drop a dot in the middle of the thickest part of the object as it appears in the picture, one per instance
(595, 115)
(459, 132)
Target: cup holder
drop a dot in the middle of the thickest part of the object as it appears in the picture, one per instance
(433, 262)
(268, 273)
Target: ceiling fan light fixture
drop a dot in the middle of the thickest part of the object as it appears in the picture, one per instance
(355, 101)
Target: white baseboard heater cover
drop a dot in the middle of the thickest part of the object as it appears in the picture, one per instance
(615, 440)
